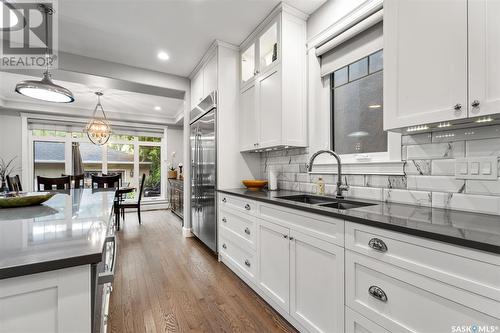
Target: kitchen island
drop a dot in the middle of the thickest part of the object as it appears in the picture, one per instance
(49, 261)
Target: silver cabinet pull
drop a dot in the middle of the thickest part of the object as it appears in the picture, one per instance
(224, 220)
(224, 246)
(378, 293)
(291, 238)
(285, 236)
(458, 107)
(224, 200)
(247, 262)
(377, 244)
(475, 103)
(109, 273)
(247, 231)
(247, 207)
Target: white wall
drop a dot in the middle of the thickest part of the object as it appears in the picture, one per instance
(10, 138)
(175, 142)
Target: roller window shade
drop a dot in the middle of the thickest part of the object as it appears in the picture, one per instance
(357, 42)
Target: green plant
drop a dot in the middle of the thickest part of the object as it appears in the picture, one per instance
(6, 168)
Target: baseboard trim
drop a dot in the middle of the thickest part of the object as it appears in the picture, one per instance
(186, 232)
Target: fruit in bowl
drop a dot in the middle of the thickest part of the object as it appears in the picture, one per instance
(254, 185)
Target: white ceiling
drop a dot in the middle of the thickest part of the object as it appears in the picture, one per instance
(132, 32)
(117, 104)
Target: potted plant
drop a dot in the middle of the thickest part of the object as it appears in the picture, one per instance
(172, 171)
(5, 169)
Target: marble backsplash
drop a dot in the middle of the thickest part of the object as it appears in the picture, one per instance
(428, 179)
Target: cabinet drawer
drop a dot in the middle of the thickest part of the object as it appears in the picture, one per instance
(403, 301)
(326, 228)
(356, 323)
(467, 269)
(244, 261)
(236, 203)
(241, 226)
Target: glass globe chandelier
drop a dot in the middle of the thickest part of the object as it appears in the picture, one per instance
(98, 128)
(45, 89)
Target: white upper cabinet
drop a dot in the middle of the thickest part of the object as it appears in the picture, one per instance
(425, 61)
(273, 61)
(269, 104)
(249, 135)
(210, 75)
(197, 89)
(484, 56)
(440, 61)
(248, 64)
(204, 80)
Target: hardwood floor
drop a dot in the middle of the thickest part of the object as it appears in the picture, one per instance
(167, 283)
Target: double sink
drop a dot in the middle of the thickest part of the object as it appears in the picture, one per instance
(325, 201)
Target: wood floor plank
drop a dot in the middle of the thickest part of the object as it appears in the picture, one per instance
(167, 283)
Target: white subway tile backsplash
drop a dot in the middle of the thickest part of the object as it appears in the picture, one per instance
(443, 167)
(416, 139)
(419, 198)
(429, 172)
(418, 167)
(436, 183)
(436, 150)
(468, 202)
(370, 193)
(487, 147)
(303, 177)
(385, 181)
(486, 187)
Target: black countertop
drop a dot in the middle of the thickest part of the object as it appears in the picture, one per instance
(68, 230)
(472, 230)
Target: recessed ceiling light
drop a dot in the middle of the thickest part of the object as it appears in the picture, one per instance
(158, 108)
(163, 55)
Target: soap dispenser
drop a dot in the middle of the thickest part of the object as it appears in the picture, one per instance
(321, 186)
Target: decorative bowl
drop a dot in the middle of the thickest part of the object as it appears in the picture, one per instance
(23, 199)
(254, 185)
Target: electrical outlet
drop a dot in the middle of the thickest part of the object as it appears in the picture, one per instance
(480, 168)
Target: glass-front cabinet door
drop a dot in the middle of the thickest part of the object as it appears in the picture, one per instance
(269, 47)
(248, 63)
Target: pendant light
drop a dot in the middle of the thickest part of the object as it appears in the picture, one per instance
(45, 89)
(98, 129)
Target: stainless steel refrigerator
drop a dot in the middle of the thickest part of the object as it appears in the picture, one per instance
(203, 133)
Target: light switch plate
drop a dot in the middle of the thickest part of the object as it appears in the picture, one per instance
(480, 168)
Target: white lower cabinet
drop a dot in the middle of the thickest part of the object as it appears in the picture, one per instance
(274, 263)
(356, 323)
(405, 301)
(382, 281)
(316, 283)
(54, 301)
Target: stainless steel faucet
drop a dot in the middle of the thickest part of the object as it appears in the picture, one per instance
(340, 187)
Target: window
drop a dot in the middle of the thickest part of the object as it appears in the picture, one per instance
(49, 159)
(129, 155)
(357, 107)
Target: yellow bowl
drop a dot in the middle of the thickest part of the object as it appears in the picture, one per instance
(254, 185)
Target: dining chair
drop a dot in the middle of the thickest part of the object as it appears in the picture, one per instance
(121, 206)
(77, 181)
(105, 181)
(61, 183)
(14, 184)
